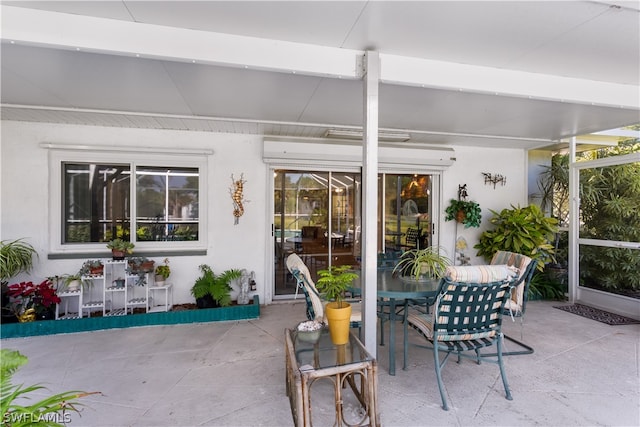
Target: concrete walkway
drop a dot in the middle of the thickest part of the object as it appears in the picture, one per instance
(583, 373)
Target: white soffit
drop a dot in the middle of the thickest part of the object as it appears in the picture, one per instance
(350, 153)
(43, 28)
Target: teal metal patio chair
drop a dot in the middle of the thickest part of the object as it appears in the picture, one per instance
(467, 316)
(516, 305)
(315, 305)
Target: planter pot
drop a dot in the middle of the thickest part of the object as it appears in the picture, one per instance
(96, 271)
(73, 286)
(8, 316)
(460, 216)
(339, 318)
(159, 280)
(206, 302)
(50, 327)
(147, 266)
(117, 255)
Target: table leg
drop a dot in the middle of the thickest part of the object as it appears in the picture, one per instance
(392, 336)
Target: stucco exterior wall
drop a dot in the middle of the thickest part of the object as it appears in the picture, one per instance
(25, 194)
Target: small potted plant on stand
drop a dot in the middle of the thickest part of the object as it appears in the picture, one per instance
(120, 248)
(92, 267)
(72, 282)
(213, 290)
(162, 272)
(333, 283)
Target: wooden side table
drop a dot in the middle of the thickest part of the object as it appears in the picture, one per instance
(348, 365)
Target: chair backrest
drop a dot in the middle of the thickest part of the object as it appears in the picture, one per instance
(299, 270)
(411, 237)
(310, 232)
(466, 310)
(526, 267)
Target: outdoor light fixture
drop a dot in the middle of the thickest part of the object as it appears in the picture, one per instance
(357, 134)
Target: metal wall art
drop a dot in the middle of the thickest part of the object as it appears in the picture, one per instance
(237, 186)
(494, 179)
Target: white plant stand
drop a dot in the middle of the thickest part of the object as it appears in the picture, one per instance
(152, 306)
(65, 298)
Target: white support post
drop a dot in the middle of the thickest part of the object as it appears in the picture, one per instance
(574, 212)
(369, 277)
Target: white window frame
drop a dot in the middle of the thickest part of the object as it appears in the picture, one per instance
(143, 156)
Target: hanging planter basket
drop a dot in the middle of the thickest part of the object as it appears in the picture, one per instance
(464, 212)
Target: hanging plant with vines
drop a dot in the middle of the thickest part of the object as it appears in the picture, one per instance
(465, 212)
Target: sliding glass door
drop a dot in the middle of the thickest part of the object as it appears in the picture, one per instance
(317, 215)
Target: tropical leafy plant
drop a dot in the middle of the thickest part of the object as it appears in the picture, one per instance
(542, 286)
(465, 212)
(334, 282)
(215, 285)
(428, 262)
(16, 256)
(525, 231)
(50, 411)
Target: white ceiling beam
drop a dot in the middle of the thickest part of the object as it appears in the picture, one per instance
(100, 35)
(472, 78)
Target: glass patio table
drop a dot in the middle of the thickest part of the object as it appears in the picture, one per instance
(309, 357)
(397, 292)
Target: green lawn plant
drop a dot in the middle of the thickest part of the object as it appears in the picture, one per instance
(525, 231)
(18, 405)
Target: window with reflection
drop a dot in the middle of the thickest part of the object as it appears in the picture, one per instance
(98, 202)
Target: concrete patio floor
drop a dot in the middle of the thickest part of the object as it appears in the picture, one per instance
(583, 373)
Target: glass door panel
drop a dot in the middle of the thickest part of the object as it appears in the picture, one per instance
(406, 206)
(317, 216)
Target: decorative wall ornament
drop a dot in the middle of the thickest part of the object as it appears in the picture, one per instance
(237, 186)
(494, 179)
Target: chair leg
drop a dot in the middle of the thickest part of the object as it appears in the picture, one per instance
(436, 361)
(527, 349)
(503, 373)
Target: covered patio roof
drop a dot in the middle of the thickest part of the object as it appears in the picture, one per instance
(490, 74)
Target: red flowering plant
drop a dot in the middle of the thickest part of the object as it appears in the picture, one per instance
(41, 298)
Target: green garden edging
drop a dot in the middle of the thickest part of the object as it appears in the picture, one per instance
(52, 327)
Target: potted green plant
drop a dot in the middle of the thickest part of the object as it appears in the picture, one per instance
(465, 212)
(333, 283)
(92, 267)
(213, 290)
(525, 231)
(120, 248)
(72, 282)
(426, 263)
(162, 272)
(16, 256)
